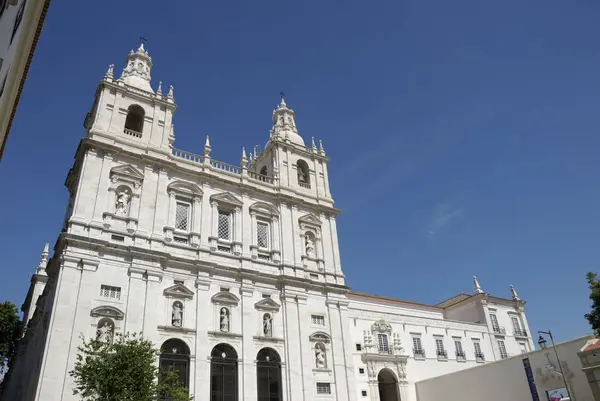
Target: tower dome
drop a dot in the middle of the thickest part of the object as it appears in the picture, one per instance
(136, 72)
(284, 124)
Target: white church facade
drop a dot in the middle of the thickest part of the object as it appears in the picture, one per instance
(232, 271)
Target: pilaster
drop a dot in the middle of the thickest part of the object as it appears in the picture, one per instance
(249, 329)
(151, 309)
(295, 371)
(101, 204)
(202, 351)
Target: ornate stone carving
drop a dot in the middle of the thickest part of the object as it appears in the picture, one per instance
(224, 320)
(309, 245)
(381, 326)
(105, 331)
(320, 356)
(177, 314)
(267, 325)
(122, 202)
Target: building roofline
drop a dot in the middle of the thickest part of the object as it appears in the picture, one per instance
(396, 300)
(36, 37)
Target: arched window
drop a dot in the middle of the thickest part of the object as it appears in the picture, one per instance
(303, 173)
(268, 374)
(135, 119)
(175, 357)
(388, 385)
(223, 373)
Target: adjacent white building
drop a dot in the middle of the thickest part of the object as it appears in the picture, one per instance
(21, 22)
(233, 271)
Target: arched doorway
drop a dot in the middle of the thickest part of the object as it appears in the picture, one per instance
(388, 385)
(223, 373)
(268, 375)
(175, 357)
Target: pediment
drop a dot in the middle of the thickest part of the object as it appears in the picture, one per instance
(185, 188)
(310, 219)
(107, 311)
(267, 304)
(178, 291)
(264, 208)
(381, 326)
(225, 298)
(127, 170)
(320, 336)
(226, 197)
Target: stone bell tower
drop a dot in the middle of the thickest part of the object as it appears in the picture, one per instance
(297, 169)
(128, 112)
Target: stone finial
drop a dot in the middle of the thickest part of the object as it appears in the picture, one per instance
(41, 268)
(109, 73)
(170, 94)
(207, 147)
(321, 148)
(314, 145)
(515, 296)
(159, 90)
(136, 72)
(244, 160)
(477, 287)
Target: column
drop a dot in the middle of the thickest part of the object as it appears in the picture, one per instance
(205, 217)
(251, 240)
(249, 355)
(161, 210)
(306, 350)
(196, 214)
(151, 311)
(343, 384)
(172, 206)
(293, 353)
(237, 247)
(100, 206)
(203, 309)
(374, 390)
(134, 313)
(147, 201)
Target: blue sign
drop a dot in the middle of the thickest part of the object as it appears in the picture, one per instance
(529, 374)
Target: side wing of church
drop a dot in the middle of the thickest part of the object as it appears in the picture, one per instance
(233, 271)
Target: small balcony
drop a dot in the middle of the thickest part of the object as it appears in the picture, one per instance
(461, 356)
(479, 357)
(499, 330)
(520, 333)
(442, 355)
(419, 353)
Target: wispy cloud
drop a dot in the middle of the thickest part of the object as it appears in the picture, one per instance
(443, 216)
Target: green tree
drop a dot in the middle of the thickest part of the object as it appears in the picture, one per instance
(594, 316)
(10, 331)
(123, 371)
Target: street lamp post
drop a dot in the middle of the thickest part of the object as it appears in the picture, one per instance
(542, 344)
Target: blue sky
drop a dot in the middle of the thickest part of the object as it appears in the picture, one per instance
(463, 135)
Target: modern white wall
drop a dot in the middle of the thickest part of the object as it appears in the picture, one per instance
(506, 380)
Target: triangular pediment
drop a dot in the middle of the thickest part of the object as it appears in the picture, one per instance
(264, 208)
(185, 188)
(320, 336)
(107, 311)
(310, 219)
(127, 170)
(225, 298)
(178, 291)
(267, 304)
(226, 197)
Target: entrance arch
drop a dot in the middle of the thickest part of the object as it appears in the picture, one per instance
(388, 385)
(175, 357)
(268, 375)
(223, 373)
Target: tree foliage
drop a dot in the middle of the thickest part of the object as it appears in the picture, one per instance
(594, 316)
(10, 331)
(123, 371)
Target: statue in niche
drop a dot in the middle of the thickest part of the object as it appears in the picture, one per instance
(301, 175)
(177, 315)
(320, 357)
(122, 204)
(105, 333)
(267, 325)
(224, 320)
(280, 120)
(309, 245)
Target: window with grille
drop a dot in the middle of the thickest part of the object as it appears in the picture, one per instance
(523, 348)
(317, 320)
(494, 320)
(516, 324)
(477, 347)
(224, 228)
(502, 349)
(439, 348)
(364, 393)
(417, 345)
(458, 346)
(107, 291)
(383, 343)
(358, 347)
(323, 388)
(262, 234)
(361, 371)
(182, 216)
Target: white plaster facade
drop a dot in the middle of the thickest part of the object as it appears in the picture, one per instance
(20, 25)
(507, 380)
(165, 242)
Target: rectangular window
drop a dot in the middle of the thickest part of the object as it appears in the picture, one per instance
(383, 343)
(417, 344)
(458, 346)
(515, 323)
(494, 320)
(479, 357)
(182, 216)
(364, 393)
(323, 388)
(262, 234)
(107, 291)
(502, 349)
(439, 348)
(358, 347)
(317, 320)
(224, 225)
(361, 371)
(523, 348)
